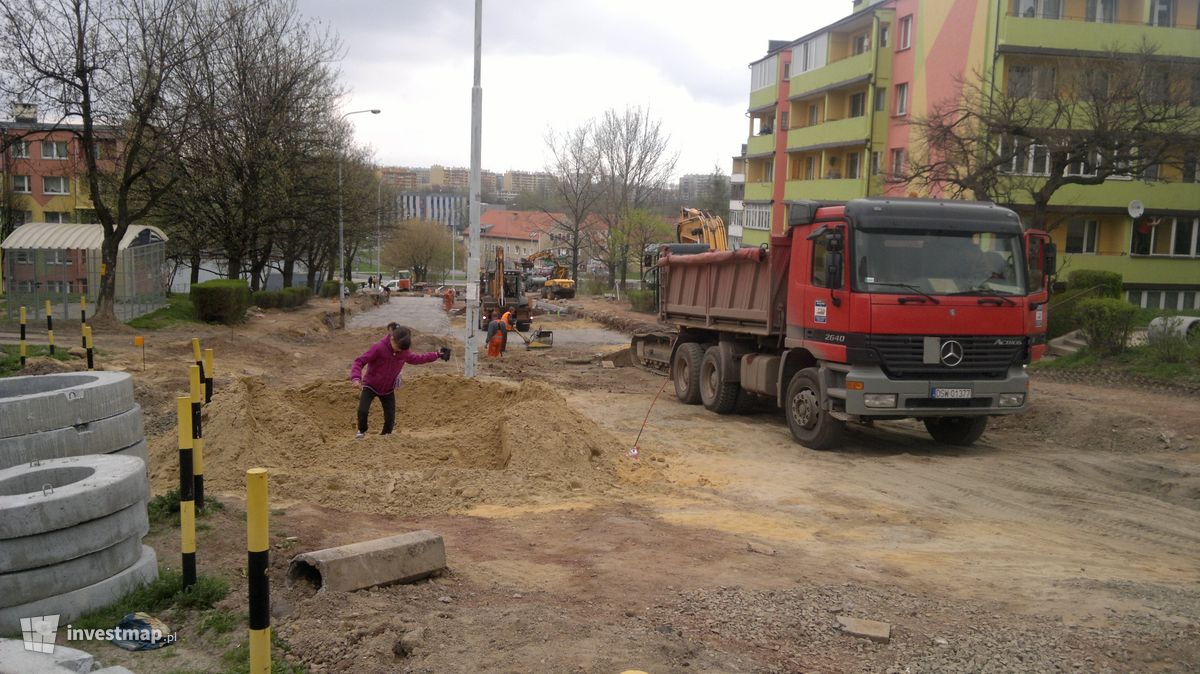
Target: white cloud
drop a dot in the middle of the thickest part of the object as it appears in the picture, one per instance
(555, 63)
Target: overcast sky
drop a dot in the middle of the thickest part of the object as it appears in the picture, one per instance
(555, 64)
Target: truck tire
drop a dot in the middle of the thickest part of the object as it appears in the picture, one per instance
(717, 394)
(961, 431)
(811, 425)
(686, 372)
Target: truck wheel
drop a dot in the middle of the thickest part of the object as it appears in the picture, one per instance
(811, 425)
(686, 372)
(716, 393)
(960, 431)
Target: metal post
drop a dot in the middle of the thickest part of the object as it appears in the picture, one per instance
(473, 260)
(258, 552)
(379, 228)
(187, 506)
(341, 235)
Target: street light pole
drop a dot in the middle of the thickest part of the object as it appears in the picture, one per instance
(342, 234)
(379, 229)
(473, 258)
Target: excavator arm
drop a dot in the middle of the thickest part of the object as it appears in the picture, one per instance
(699, 226)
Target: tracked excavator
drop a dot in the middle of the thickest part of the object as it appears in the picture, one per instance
(696, 231)
(558, 285)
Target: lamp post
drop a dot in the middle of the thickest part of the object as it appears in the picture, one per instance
(342, 235)
(379, 229)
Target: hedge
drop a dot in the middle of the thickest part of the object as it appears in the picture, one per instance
(1106, 322)
(221, 300)
(1110, 283)
(330, 288)
(282, 299)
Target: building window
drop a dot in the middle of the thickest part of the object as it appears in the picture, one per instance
(884, 29)
(905, 33)
(811, 54)
(22, 184)
(876, 163)
(787, 71)
(769, 171)
(1081, 236)
(810, 168)
(784, 117)
(880, 99)
(1175, 237)
(57, 255)
(757, 216)
(1023, 157)
(20, 149)
(1026, 81)
(56, 217)
(54, 149)
(1101, 11)
(56, 185)
(1162, 13)
(901, 99)
(898, 160)
(22, 217)
(812, 115)
(763, 73)
(853, 165)
(862, 43)
(858, 104)
(1042, 9)
(820, 248)
(1185, 238)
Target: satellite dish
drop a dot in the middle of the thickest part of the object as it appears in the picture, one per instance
(1136, 209)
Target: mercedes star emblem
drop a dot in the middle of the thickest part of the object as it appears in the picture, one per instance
(952, 353)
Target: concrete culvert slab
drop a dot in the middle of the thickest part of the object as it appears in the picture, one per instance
(395, 559)
(60, 493)
(22, 587)
(70, 605)
(53, 547)
(53, 401)
(101, 436)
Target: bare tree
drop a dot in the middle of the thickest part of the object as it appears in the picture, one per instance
(715, 198)
(636, 163)
(1078, 122)
(646, 228)
(112, 67)
(420, 245)
(575, 167)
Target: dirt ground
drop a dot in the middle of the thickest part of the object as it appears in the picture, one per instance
(1068, 539)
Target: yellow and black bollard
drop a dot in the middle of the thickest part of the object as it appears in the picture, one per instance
(24, 349)
(83, 310)
(187, 507)
(208, 375)
(141, 341)
(257, 558)
(198, 356)
(197, 395)
(87, 345)
(49, 327)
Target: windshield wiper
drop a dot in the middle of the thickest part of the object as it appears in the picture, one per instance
(990, 292)
(908, 286)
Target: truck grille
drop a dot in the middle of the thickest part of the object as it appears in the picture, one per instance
(984, 357)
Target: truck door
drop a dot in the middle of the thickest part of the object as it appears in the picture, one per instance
(1042, 259)
(826, 309)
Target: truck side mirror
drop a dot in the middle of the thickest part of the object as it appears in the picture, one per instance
(833, 269)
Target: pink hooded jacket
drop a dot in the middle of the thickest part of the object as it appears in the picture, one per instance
(384, 365)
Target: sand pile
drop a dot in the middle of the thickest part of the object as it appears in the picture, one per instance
(457, 443)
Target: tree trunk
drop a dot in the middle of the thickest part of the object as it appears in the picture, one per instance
(235, 267)
(288, 271)
(106, 300)
(195, 262)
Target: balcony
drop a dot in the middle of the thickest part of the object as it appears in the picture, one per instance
(760, 145)
(854, 130)
(1058, 35)
(759, 191)
(764, 98)
(826, 190)
(1137, 269)
(1118, 194)
(833, 73)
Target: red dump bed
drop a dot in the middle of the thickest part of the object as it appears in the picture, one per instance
(737, 291)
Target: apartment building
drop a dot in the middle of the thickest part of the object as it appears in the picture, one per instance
(44, 173)
(830, 117)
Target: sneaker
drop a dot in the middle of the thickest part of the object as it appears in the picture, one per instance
(360, 435)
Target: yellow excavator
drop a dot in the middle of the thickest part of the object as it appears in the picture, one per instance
(698, 226)
(559, 284)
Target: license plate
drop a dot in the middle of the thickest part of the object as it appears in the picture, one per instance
(952, 393)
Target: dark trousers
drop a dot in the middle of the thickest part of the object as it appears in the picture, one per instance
(388, 402)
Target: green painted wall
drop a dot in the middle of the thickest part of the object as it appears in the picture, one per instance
(763, 97)
(1095, 37)
(833, 190)
(840, 131)
(840, 71)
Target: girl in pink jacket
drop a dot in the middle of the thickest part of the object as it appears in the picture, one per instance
(384, 361)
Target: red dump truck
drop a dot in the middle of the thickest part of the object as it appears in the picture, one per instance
(875, 309)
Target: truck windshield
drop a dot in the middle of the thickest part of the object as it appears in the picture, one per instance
(938, 262)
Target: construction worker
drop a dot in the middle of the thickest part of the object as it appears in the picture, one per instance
(507, 320)
(496, 335)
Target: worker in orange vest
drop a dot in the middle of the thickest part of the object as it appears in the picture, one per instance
(507, 320)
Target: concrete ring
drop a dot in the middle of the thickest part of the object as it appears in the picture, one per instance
(61, 493)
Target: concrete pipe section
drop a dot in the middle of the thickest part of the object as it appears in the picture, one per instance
(383, 561)
(85, 538)
(102, 436)
(22, 587)
(61, 493)
(54, 401)
(70, 605)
